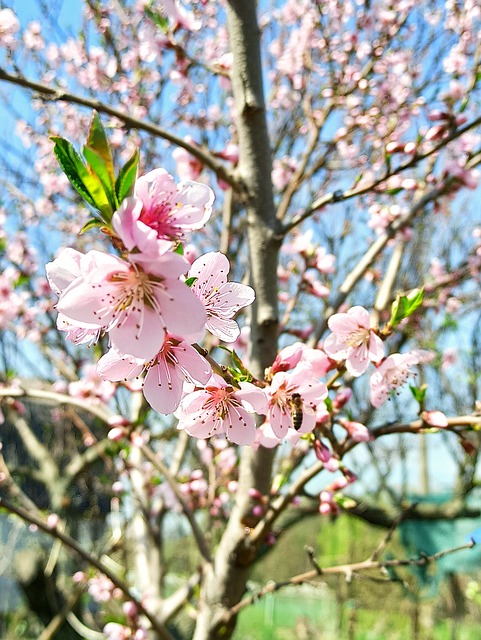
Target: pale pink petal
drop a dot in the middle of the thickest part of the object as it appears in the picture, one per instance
(163, 387)
(253, 395)
(357, 360)
(195, 366)
(215, 264)
(64, 269)
(335, 348)
(240, 426)
(361, 316)
(226, 330)
(140, 335)
(183, 313)
(197, 198)
(280, 421)
(343, 324)
(115, 367)
(376, 347)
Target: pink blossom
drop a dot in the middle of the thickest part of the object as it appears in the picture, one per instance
(9, 25)
(179, 15)
(135, 306)
(177, 362)
(288, 357)
(449, 357)
(313, 286)
(188, 167)
(173, 209)
(221, 408)
(325, 262)
(353, 340)
(116, 631)
(301, 382)
(393, 373)
(221, 298)
(90, 386)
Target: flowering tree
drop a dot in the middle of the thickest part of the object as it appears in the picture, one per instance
(338, 306)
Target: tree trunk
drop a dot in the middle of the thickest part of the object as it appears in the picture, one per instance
(224, 582)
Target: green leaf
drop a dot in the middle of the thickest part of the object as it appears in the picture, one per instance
(97, 165)
(393, 192)
(98, 142)
(190, 281)
(87, 184)
(92, 224)
(405, 306)
(161, 21)
(419, 393)
(127, 176)
(344, 501)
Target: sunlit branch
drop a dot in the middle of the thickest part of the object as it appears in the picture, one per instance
(59, 398)
(417, 426)
(344, 569)
(58, 95)
(384, 293)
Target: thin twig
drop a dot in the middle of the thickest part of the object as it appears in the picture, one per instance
(164, 470)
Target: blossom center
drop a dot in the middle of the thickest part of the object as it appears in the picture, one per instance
(159, 217)
(358, 337)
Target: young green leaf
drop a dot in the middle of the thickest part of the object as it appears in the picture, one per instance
(98, 142)
(419, 393)
(405, 306)
(97, 165)
(127, 176)
(82, 178)
(93, 223)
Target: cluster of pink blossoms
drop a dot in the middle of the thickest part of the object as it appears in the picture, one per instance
(141, 299)
(154, 305)
(357, 344)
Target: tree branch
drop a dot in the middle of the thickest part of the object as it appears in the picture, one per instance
(346, 569)
(58, 95)
(90, 559)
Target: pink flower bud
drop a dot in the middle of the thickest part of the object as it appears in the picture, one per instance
(255, 494)
(116, 434)
(53, 520)
(410, 148)
(435, 418)
(130, 609)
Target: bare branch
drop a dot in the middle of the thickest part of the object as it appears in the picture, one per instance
(348, 570)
